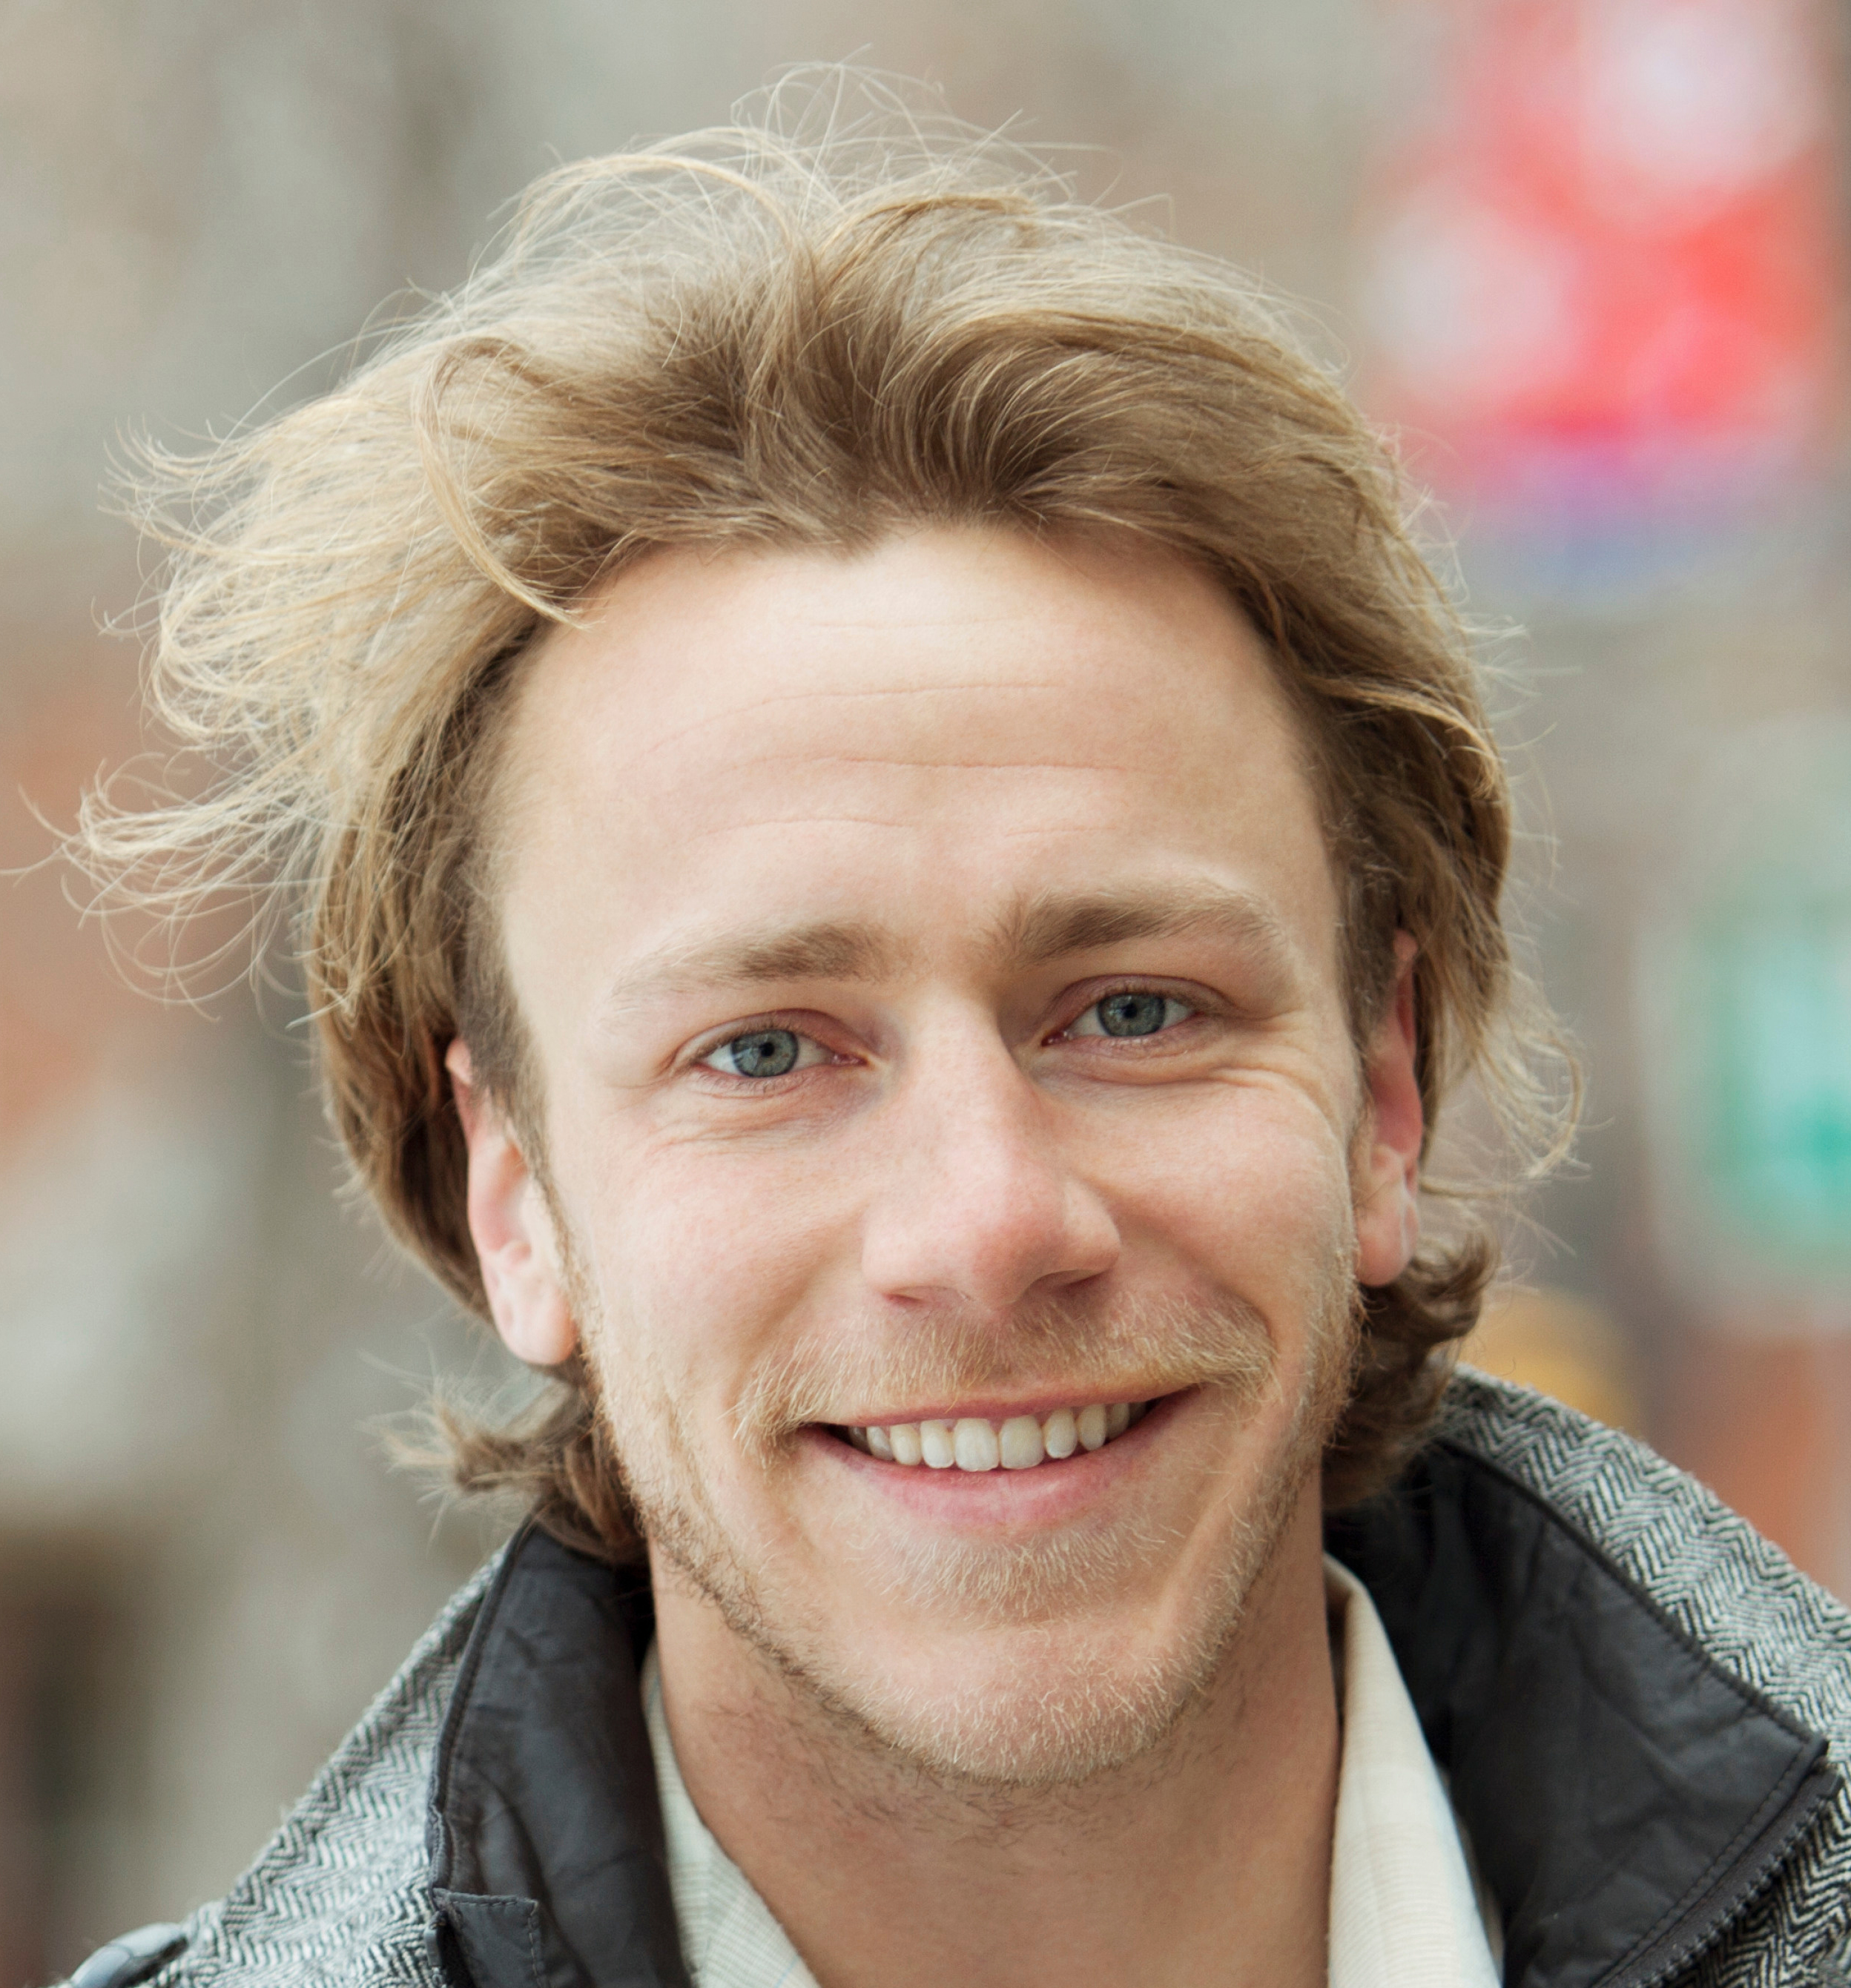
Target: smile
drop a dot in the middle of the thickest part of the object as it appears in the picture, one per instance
(973, 1443)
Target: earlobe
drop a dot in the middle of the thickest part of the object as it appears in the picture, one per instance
(1388, 1181)
(512, 1228)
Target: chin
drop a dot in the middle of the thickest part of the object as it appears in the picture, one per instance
(991, 1665)
(983, 1674)
(1033, 1718)
(1030, 1709)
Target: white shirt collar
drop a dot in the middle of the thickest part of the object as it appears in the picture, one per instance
(1404, 1912)
(729, 1936)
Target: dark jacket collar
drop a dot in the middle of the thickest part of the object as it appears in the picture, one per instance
(1626, 1797)
(547, 1865)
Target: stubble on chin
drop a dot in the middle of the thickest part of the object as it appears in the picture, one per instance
(1065, 1710)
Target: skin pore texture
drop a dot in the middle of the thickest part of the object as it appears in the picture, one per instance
(930, 955)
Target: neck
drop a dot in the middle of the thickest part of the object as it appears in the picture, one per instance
(1205, 1862)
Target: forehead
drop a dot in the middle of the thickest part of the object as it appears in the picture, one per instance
(918, 736)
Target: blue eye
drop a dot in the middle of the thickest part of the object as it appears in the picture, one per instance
(763, 1052)
(1133, 1012)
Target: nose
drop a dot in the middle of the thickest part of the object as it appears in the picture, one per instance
(976, 1203)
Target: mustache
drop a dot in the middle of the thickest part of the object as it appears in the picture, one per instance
(1135, 1349)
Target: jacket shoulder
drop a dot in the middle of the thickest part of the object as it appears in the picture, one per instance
(1731, 1591)
(339, 1897)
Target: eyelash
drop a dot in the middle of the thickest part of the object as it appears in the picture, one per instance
(759, 1024)
(1192, 1005)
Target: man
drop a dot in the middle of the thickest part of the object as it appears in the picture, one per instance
(898, 851)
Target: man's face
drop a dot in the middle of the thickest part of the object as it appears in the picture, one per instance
(930, 960)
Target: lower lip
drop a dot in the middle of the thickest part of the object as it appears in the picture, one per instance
(982, 1499)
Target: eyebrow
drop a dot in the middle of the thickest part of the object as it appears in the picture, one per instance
(1049, 926)
(823, 949)
(1041, 928)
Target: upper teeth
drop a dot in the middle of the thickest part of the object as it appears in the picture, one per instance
(971, 1443)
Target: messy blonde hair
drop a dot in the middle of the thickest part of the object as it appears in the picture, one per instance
(809, 329)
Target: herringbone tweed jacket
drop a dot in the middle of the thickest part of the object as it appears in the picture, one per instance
(1638, 1700)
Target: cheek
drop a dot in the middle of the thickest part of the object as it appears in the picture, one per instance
(704, 1258)
(1255, 1192)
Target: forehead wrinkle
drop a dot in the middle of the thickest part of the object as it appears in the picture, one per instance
(778, 951)
(911, 693)
(912, 762)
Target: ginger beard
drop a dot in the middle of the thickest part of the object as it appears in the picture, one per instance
(1051, 1708)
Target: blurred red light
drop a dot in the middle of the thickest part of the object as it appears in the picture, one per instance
(1604, 254)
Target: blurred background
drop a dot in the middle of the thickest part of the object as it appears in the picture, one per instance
(1586, 255)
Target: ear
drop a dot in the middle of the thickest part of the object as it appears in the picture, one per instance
(512, 1228)
(1388, 1176)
